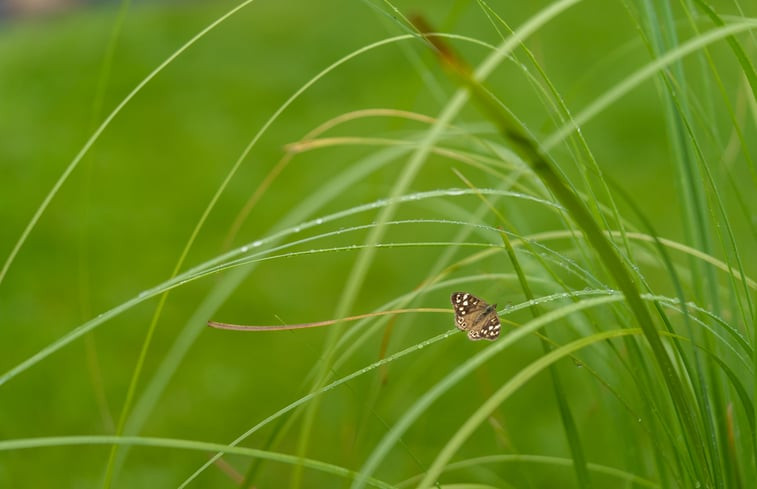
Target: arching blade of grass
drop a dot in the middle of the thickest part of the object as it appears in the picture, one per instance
(538, 459)
(72, 441)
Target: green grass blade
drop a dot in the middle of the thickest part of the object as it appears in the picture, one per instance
(539, 459)
(178, 444)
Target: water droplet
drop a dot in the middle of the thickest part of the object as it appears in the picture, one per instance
(297, 229)
(319, 221)
(243, 249)
(456, 191)
(257, 243)
(638, 420)
(143, 293)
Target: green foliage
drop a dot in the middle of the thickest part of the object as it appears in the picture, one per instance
(586, 165)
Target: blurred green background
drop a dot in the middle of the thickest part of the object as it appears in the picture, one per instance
(120, 222)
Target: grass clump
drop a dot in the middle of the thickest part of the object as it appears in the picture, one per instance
(610, 216)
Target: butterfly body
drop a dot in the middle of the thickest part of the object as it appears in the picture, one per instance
(475, 316)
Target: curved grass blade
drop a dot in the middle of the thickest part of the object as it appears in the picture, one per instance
(64, 441)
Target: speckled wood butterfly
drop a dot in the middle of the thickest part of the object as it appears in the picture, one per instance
(475, 316)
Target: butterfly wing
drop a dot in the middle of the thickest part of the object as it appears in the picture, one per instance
(467, 308)
(487, 326)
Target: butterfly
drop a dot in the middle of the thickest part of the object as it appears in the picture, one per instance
(475, 316)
